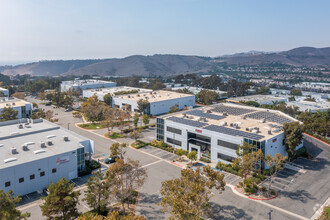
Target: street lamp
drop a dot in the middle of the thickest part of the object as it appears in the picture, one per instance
(270, 214)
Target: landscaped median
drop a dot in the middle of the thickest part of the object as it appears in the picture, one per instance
(91, 126)
(114, 135)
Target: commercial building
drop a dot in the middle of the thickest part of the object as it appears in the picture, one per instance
(310, 106)
(195, 90)
(260, 99)
(5, 92)
(113, 91)
(34, 153)
(160, 101)
(216, 131)
(23, 107)
(86, 84)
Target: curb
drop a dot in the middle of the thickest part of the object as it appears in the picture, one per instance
(175, 164)
(257, 198)
(317, 139)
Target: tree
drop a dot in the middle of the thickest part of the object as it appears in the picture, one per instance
(35, 105)
(206, 97)
(93, 109)
(295, 92)
(211, 82)
(263, 90)
(61, 201)
(40, 113)
(188, 196)
(8, 209)
(42, 95)
(136, 119)
(135, 134)
(97, 193)
(145, 119)
(118, 149)
(192, 156)
(107, 98)
(293, 137)
(115, 215)
(142, 105)
(49, 115)
(174, 108)
(8, 114)
(275, 164)
(2, 94)
(108, 123)
(125, 177)
(19, 95)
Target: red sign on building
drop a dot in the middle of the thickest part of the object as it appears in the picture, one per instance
(199, 131)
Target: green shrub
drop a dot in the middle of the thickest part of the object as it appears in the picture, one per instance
(264, 189)
(139, 144)
(203, 159)
(272, 192)
(227, 167)
(114, 135)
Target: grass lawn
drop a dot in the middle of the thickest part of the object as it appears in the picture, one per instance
(93, 126)
(114, 135)
(326, 213)
(138, 144)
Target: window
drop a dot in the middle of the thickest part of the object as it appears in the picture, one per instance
(54, 170)
(42, 173)
(225, 157)
(227, 144)
(21, 180)
(175, 142)
(32, 177)
(283, 143)
(7, 184)
(173, 130)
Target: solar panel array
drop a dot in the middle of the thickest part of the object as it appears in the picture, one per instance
(205, 115)
(233, 132)
(269, 116)
(232, 110)
(187, 122)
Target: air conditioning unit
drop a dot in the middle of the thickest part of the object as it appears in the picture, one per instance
(269, 132)
(49, 142)
(25, 147)
(20, 126)
(247, 129)
(42, 144)
(231, 124)
(65, 138)
(13, 150)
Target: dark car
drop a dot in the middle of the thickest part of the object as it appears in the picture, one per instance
(48, 104)
(110, 159)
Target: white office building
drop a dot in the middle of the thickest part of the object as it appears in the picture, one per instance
(160, 101)
(260, 99)
(85, 84)
(195, 90)
(5, 92)
(216, 131)
(101, 92)
(23, 107)
(34, 153)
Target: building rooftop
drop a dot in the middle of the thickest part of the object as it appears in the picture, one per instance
(85, 82)
(155, 96)
(310, 106)
(232, 119)
(114, 90)
(32, 134)
(256, 98)
(12, 102)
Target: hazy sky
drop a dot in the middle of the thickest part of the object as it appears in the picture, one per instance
(79, 29)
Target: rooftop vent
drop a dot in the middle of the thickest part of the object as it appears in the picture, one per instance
(269, 132)
(29, 143)
(25, 147)
(27, 125)
(51, 136)
(13, 150)
(10, 159)
(39, 151)
(14, 133)
(225, 114)
(20, 126)
(42, 144)
(65, 138)
(208, 111)
(49, 142)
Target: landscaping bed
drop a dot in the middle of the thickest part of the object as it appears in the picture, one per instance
(91, 126)
(90, 166)
(138, 144)
(114, 135)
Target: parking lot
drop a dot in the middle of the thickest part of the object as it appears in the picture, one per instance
(159, 153)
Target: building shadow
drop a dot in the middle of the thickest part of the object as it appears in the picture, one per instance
(300, 195)
(228, 212)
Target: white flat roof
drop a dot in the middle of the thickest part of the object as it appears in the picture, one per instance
(155, 96)
(85, 82)
(113, 90)
(12, 102)
(12, 136)
(256, 98)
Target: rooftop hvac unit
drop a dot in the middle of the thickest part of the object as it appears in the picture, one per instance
(10, 159)
(65, 138)
(42, 144)
(51, 136)
(20, 126)
(269, 132)
(247, 129)
(254, 131)
(27, 125)
(128, 96)
(225, 114)
(231, 124)
(13, 150)
(49, 142)
(25, 147)
(208, 111)
(1, 145)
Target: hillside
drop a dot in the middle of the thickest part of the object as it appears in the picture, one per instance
(167, 65)
(302, 56)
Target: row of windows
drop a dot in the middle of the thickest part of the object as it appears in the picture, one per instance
(32, 177)
(225, 157)
(173, 130)
(173, 141)
(227, 144)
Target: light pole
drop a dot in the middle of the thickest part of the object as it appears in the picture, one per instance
(270, 214)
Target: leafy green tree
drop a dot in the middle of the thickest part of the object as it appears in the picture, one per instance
(251, 103)
(211, 82)
(295, 92)
(145, 119)
(38, 114)
(275, 164)
(35, 105)
(93, 109)
(263, 90)
(293, 137)
(174, 108)
(135, 134)
(125, 177)
(192, 156)
(107, 98)
(142, 105)
(97, 193)
(61, 202)
(117, 149)
(188, 196)
(8, 114)
(8, 210)
(136, 119)
(206, 97)
(184, 90)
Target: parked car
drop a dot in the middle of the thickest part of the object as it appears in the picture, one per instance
(111, 159)
(68, 110)
(48, 104)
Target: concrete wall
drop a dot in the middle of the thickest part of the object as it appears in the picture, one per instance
(67, 169)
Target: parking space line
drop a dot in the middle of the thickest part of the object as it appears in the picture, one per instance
(149, 164)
